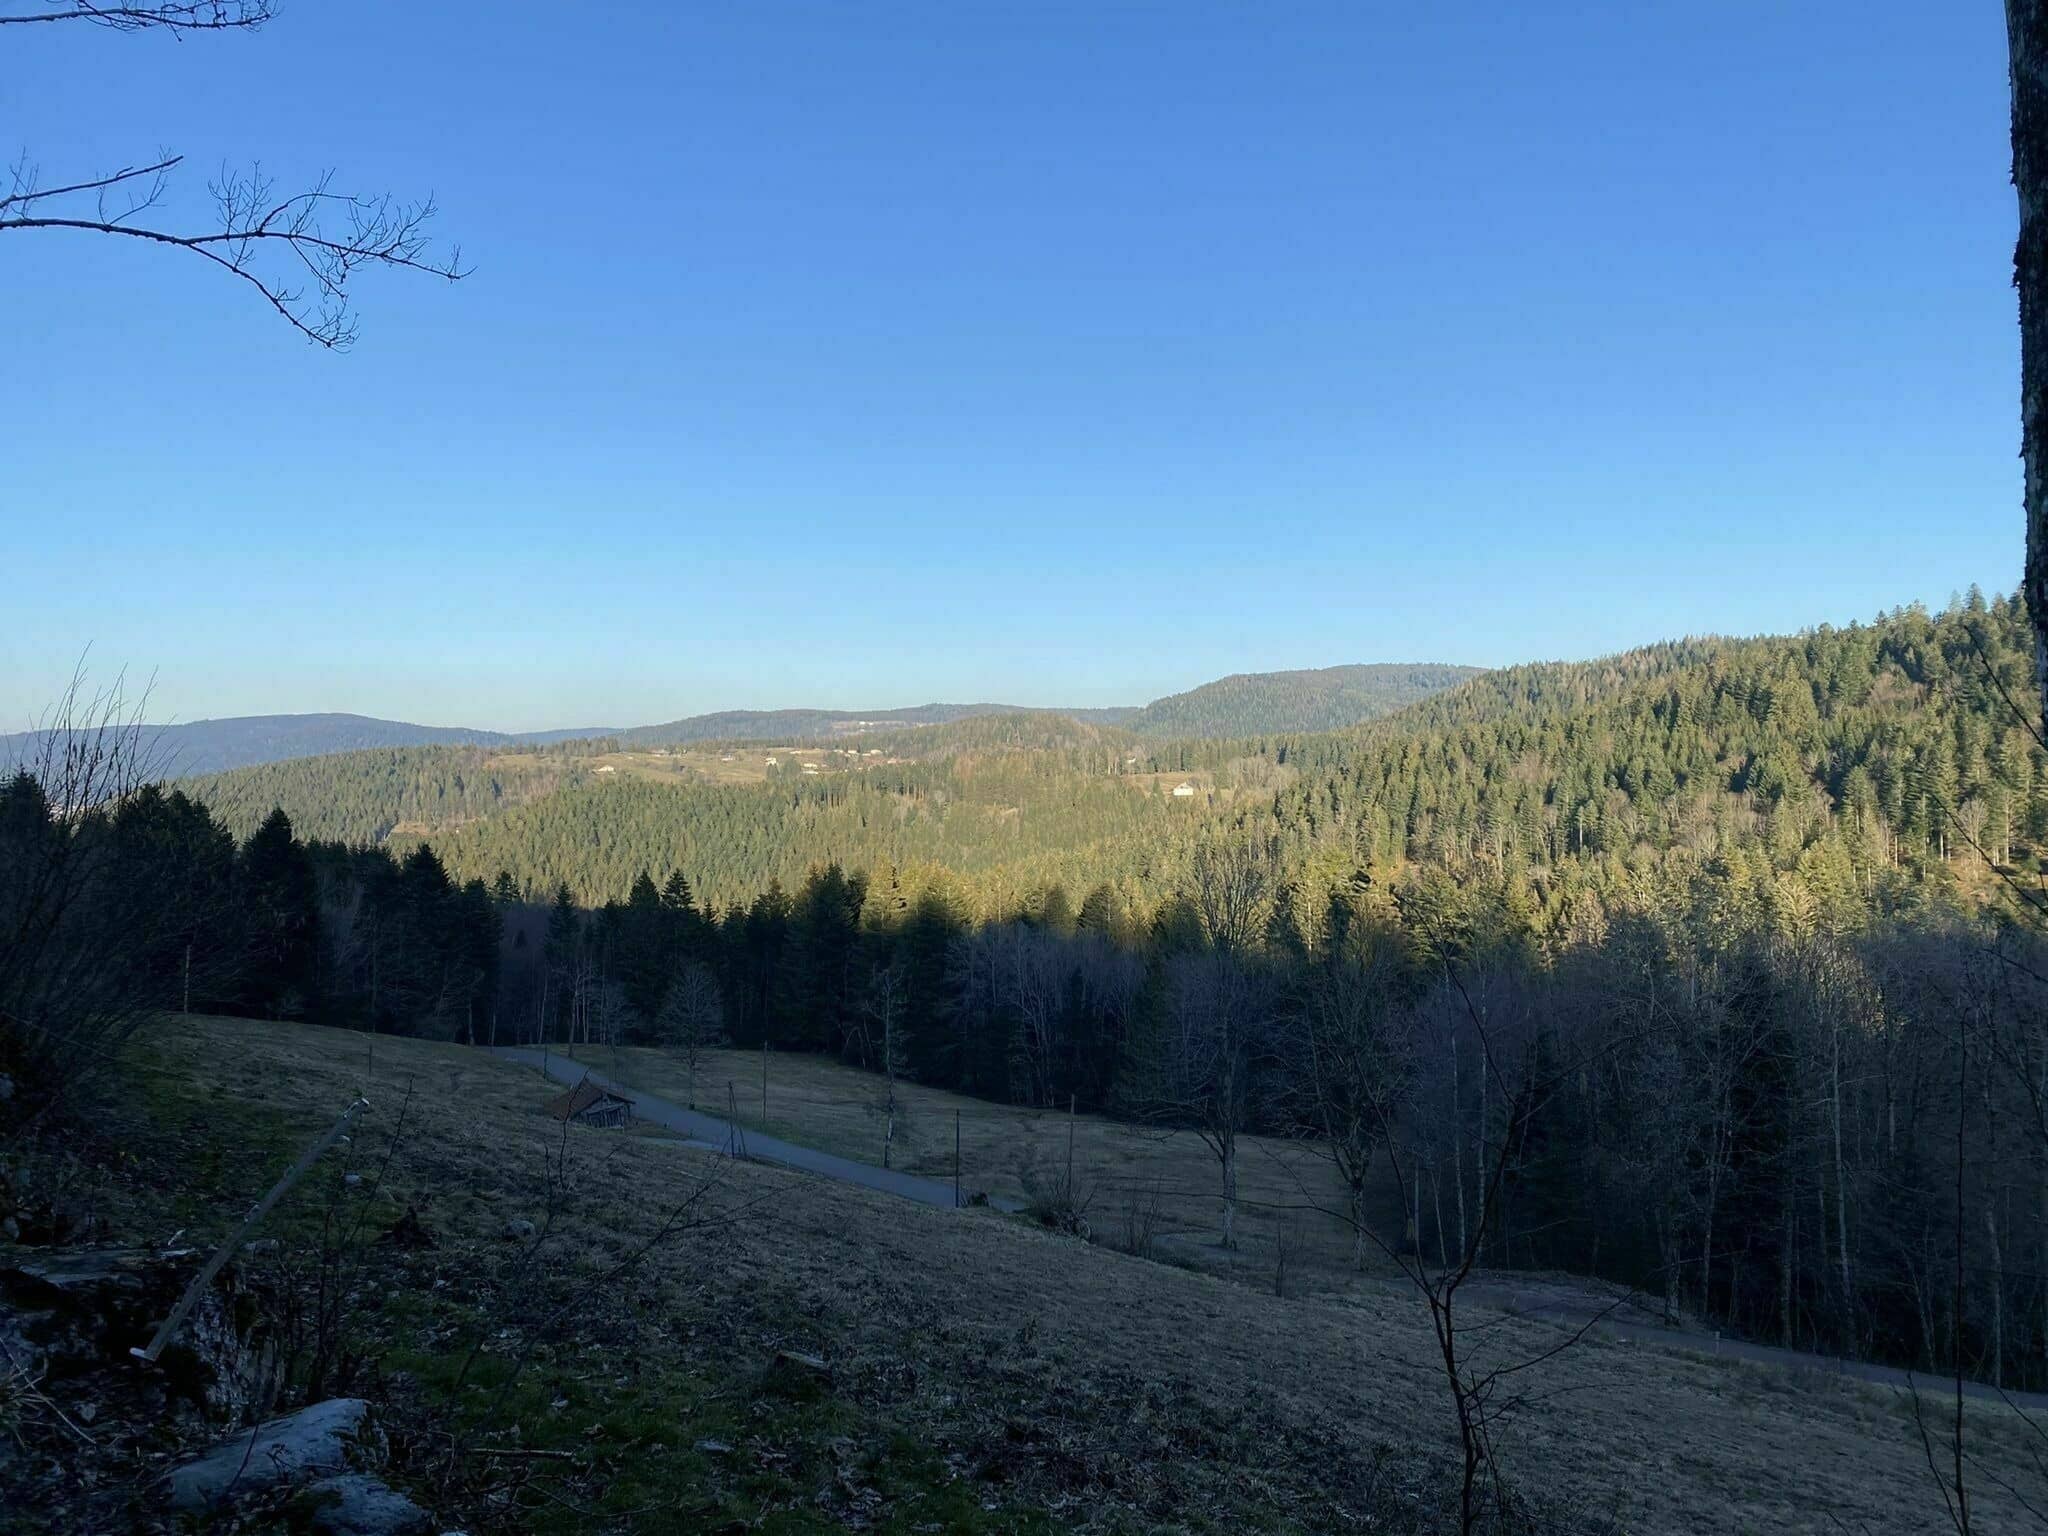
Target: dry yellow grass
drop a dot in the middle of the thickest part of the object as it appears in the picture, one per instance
(976, 1332)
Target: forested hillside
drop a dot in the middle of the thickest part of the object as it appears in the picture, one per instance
(1005, 825)
(1322, 699)
(797, 724)
(1698, 967)
(368, 797)
(1831, 772)
(1010, 802)
(1233, 706)
(1834, 770)
(215, 746)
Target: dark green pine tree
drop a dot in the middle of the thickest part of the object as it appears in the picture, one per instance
(820, 981)
(281, 905)
(647, 954)
(926, 948)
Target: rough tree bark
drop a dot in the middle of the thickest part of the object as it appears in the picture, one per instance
(2026, 25)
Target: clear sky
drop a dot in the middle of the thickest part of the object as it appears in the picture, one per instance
(1056, 353)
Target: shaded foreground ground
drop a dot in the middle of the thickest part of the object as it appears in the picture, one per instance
(814, 1094)
(978, 1373)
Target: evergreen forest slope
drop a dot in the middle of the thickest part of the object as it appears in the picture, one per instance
(216, 746)
(1233, 706)
(1852, 764)
(1322, 699)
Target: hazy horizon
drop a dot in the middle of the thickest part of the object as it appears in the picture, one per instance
(149, 694)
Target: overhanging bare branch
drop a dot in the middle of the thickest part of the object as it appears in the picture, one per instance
(188, 16)
(329, 234)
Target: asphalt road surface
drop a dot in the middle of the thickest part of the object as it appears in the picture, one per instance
(712, 1131)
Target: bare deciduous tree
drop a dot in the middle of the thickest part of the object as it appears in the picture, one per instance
(881, 1033)
(1483, 1390)
(297, 249)
(1351, 1073)
(1233, 881)
(692, 1019)
(1197, 1065)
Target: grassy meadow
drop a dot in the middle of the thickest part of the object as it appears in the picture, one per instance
(979, 1373)
(1287, 1190)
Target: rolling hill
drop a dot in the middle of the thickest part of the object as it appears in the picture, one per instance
(246, 741)
(798, 724)
(1243, 705)
(1319, 699)
(1858, 757)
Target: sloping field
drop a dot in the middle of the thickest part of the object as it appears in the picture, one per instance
(979, 1373)
(1286, 1190)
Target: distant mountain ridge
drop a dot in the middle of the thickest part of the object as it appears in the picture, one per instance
(1316, 699)
(243, 741)
(785, 724)
(1244, 704)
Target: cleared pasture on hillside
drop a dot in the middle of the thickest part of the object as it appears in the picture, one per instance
(1117, 1394)
(1289, 1195)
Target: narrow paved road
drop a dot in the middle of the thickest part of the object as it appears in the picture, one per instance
(714, 1131)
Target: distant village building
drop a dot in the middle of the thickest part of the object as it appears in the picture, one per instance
(588, 1104)
(1184, 790)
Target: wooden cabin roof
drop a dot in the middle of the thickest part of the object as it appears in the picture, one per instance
(585, 1094)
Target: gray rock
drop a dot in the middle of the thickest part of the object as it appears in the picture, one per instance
(77, 1312)
(518, 1229)
(358, 1505)
(314, 1442)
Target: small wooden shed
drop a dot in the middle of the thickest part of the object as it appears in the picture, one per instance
(590, 1104)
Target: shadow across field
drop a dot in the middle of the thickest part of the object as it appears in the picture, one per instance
(979, 1373)
(1123, 1174)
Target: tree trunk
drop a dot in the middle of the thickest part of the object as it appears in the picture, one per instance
(1457, 1147)
(1997, 1297)
(1841, 1179)
(2026, 25)
(1785, 1270)
(1230, 1192)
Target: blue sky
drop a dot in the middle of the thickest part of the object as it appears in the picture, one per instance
(1057, 353)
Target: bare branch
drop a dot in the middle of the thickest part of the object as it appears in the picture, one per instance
(330, 234)
(178, 17)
